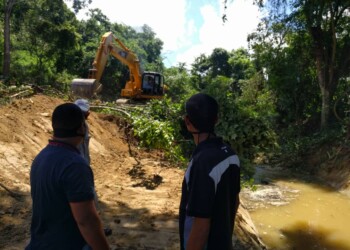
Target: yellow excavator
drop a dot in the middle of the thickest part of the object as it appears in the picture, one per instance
(141, 85)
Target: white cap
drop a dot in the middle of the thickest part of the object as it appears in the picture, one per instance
(83, 104)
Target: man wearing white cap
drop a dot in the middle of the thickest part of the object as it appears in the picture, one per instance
(84, 105)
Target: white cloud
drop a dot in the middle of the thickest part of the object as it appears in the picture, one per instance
(165, 17)
(243, 18)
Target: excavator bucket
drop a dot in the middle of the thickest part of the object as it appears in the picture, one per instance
(85, 88)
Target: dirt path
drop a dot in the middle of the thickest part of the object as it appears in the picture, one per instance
(138, 191)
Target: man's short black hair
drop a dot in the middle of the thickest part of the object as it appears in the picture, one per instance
(67, 118)
(202, 110)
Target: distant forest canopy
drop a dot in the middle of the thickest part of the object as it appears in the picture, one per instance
(292, 82)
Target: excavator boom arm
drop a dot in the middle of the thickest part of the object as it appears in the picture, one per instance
(123, 54)
(129, 59)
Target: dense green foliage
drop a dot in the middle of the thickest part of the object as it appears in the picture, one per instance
(271, 97)
(157, 125)
(314, 35)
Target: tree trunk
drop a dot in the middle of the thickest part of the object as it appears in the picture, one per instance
(7, 50)
(322, 82)
(325, 49)
(325, 108)
(324, 93)
(7, 55)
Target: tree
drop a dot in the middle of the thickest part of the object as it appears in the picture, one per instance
(219, 63)
(153, 47)
(327, 23)
(49, 35)
(242, 66)
(8, 6)
(283, 56)
(179, 83)
(200, 71)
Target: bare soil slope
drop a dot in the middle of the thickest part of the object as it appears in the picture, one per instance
(138, 191)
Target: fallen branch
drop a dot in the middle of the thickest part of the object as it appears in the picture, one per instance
(20, 93)
(115, 109)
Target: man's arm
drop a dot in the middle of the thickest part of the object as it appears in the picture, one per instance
(199, 234)
(89, 224)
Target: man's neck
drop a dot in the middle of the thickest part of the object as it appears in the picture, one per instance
(198, 138)
(72, 141)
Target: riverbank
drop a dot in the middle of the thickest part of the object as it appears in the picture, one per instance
(331, 164)
(297, 211)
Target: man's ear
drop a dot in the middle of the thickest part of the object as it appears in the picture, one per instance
(187, 121)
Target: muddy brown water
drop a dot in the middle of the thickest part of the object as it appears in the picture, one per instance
(299, 214)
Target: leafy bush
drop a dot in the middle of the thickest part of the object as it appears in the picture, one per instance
(244, 122)
(157, 125)
(153, 133)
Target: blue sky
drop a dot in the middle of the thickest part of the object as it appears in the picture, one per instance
(188, 28)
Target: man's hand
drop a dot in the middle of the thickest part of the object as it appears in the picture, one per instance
(199, 234)
(89, 223)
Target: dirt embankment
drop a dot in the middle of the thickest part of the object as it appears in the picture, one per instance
(138, 191)
(330, 163)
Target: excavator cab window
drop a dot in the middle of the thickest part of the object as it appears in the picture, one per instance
(148, 84)
(157, 85)
(152, 84)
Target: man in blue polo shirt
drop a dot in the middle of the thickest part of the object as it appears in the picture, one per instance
(64, 215)
(211, 186)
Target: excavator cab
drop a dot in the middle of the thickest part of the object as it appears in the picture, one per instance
(152, 84)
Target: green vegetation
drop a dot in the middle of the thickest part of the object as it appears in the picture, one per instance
(157, 125)
(284, 96)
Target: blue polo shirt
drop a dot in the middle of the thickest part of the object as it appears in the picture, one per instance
(59, 175)
(209, 190)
